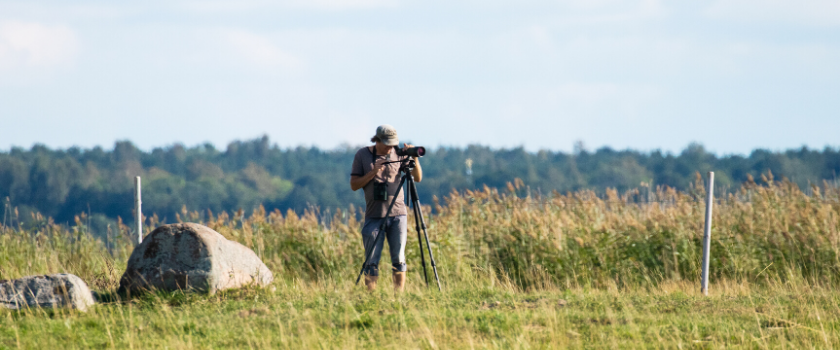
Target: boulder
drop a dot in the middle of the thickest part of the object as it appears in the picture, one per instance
(47, 291)
(191, 257)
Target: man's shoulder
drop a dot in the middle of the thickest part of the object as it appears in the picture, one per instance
(363, 152)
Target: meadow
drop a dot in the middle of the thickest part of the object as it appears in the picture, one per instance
(520, 269)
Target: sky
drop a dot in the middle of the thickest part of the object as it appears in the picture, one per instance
(733, 75)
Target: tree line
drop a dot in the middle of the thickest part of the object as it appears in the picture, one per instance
(61, 183)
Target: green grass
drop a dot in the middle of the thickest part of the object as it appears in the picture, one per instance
(330, 314)
(627, 274)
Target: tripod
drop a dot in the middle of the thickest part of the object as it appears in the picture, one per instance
(406, 167)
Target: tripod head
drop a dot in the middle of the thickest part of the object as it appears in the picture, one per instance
(406, 165)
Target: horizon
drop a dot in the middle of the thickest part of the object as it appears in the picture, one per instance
(341, 147)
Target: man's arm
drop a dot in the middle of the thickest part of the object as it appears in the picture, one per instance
(418, 171)
(357, 182)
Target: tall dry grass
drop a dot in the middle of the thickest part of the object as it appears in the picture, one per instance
(644, 237)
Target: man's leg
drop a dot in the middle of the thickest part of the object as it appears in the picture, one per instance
(370, 231)
(397, 236)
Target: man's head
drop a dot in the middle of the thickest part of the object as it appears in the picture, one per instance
(386, 135)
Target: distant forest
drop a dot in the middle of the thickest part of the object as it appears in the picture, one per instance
(64, 183)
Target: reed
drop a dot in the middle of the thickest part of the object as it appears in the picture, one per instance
(643, 237)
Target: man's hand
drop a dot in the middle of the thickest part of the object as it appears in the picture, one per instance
(407, 146)
(378, 167)
(357, 182)
(417, 172)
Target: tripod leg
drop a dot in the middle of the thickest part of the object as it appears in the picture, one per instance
(426, 234)
(381, 228)
(411, 195)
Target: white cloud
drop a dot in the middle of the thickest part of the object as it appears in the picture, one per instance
(811, 12)
(637, 11)
(342, 4)
(36, 45)
(261, 51)
(252, 5)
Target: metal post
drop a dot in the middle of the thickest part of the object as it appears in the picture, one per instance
(5, 208)
(469, 163)
(707, 234)
(137, 210)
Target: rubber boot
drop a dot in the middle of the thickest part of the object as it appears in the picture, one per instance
(399, 281)
(370, 282)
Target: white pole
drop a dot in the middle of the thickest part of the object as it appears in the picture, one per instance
(137, 209)
(707, 234)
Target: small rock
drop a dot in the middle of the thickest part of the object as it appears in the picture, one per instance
(46, 291)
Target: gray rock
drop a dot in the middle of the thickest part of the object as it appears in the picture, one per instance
(50, 291)
(191, 257)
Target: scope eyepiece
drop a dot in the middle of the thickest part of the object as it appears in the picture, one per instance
(417, 151)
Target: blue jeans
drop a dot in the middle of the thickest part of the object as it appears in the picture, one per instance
(396, 234)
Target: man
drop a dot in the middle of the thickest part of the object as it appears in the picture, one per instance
(380, 182)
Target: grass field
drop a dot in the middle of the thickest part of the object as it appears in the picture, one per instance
(518, 271)
(337, 315)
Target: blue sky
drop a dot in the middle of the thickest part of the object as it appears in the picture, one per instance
(733, 75)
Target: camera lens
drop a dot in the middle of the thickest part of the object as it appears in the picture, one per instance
(411, 152)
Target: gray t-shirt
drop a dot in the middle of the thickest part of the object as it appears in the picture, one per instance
(362, 164)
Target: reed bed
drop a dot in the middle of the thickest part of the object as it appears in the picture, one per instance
(772, 231)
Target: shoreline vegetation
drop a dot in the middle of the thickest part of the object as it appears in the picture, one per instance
(519, 270)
